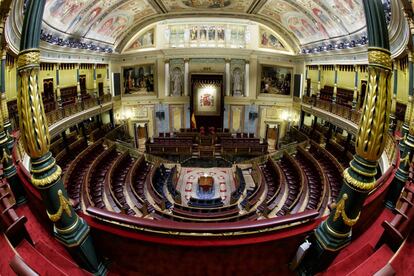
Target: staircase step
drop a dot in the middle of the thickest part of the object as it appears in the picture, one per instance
(37, 261)
(374, 263)
(7, 255)
(60, 261)
(349, 263)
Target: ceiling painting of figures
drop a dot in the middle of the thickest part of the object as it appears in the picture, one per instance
(208, 5)
(110, 21)
(102, 20)
(312, 21)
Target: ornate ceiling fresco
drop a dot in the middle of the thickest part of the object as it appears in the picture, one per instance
(110, 22)
(208, 5)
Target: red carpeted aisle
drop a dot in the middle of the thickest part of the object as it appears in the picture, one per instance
(374, 262)
(46, 248)
(359, 250)
(403, 263)
(37, 261)
(7, 254)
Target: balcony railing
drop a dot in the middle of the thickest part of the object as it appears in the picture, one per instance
(337, 109)
(71, 109)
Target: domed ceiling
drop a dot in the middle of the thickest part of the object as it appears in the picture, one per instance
(111, 22)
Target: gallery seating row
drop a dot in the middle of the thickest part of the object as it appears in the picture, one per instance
(73, 179)
(397, 230)
(135, 183)
(64, 158)
(342, 155)
(332, 169)
(96, 176)
(117, 179)
(205, 203)
(294, 183)
(162, 222)
(206, 213)
(211, 213)
(253, 195)
(172, 185)
(170, 146)
(155, 188)
(275, 182)
(11, 224)
(316, 182)
(100, 132)
(249, 145)
(59, 145)
(240, 186)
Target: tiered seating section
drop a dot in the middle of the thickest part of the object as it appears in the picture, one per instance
(294, 182)
(191, 142)
(10, 223)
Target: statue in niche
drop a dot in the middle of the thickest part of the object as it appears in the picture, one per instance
(176, 80)
(237, 82)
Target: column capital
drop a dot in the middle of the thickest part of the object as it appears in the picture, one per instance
(227, 60)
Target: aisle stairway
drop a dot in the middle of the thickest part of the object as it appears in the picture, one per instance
(47, 256)
(360, 258)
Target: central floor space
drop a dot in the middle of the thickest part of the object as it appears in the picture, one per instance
(195, 183)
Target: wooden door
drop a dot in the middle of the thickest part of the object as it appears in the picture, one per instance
(100, 89)
(48, 90)
(363, 92)
(82, 82)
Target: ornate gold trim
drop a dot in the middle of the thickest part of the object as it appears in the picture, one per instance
(340, 211)
(5, 157)
(374, 119)
(48, 167)
(68, 229)
(47, 180)
(362, 172)
(336, 234)
(365, 186)
(28, 57)
(379, 56)
(64, 205)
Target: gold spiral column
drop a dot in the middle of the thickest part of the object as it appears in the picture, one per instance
(68, 228)
(335, 233)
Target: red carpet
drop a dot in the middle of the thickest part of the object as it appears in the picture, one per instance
(6, 255)
(359, 249)
(374, 263)
(403, 263)
(348, 264)
(37, 261)
(47, 246)
(39, 232)
(371, 236)
(64, 264)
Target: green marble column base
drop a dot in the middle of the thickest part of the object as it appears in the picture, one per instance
(79, 243)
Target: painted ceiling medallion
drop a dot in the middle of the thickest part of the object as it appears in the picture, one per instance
(211, 4)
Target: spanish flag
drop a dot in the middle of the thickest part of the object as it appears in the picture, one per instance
(193, 121)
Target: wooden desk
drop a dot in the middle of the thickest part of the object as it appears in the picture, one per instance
(205, 183)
